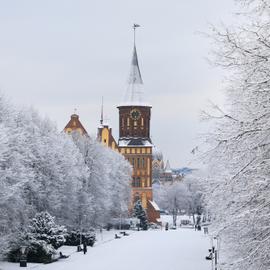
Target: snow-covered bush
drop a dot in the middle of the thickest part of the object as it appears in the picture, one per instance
(75, 238)
(43, 227)
(42, 238)
(38, 251)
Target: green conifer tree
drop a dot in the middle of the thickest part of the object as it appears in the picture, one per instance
(140, 213)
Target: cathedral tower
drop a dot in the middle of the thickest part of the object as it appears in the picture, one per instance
(134, 138)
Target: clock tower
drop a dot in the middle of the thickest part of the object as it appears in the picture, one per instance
(134, 138)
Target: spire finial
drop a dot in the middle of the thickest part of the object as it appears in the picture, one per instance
(75, 110)
(101, 115)
(134, 29)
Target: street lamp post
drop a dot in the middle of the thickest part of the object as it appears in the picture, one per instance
(217, 251)
(80, 246)
(23, 257)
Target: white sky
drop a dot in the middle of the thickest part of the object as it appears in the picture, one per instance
(60, 55)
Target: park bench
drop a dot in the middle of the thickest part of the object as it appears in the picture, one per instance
(124, 233)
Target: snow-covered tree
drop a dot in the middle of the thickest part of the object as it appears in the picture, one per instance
(239, 149)
(108, 182)
(42, 237)
(186, 195)
(43, 227)
(78, 181)
(140, 213)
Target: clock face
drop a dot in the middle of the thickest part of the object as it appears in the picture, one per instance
(135, 114)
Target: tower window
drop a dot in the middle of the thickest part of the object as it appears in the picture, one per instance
(143, 163)
(138, 163)
(136, 181)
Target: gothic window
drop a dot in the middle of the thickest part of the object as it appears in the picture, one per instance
(136, 181)
(143, 163)
(142, 121)
(128, 121)
(138, 163)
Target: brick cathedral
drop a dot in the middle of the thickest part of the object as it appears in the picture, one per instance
(134, 138)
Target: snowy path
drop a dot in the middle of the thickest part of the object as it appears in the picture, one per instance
(171, 250)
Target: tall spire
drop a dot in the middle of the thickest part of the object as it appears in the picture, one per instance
(168, 167)
(134, 93)
(101, 114)
(135, 73)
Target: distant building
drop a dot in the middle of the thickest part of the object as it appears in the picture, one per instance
(163, 174)
(74, 124)
(106, 138)
(168, 173)
(157, 165)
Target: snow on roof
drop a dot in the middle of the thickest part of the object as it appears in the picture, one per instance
(134, 141)
(134, 93)
(154, 205)
(134, 103)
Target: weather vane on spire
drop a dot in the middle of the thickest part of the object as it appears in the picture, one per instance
(134, 28)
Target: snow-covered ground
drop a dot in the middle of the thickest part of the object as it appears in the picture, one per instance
(153, 249)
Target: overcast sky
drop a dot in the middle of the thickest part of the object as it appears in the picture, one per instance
(60, 55)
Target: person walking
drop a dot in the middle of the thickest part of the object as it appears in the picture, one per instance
(84, 247)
